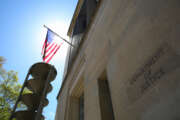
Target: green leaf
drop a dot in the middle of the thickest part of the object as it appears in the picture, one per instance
(9, 91)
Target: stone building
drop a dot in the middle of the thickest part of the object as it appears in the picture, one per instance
(125, 64)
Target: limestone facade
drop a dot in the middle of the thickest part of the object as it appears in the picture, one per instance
(126, 65)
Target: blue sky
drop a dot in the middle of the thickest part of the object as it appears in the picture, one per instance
(22, 35)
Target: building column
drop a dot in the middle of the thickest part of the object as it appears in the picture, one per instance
(91, 100)
(73, 112)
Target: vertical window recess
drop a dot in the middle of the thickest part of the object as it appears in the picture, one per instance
(105, 99)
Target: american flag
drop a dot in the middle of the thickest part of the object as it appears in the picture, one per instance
(51, 45)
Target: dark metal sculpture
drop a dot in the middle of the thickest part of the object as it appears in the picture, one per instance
(42, 74)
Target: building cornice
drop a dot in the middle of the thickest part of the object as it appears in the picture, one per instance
(81, 44)
(76, 13)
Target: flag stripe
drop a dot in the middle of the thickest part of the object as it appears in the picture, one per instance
(51, 51)
(42, 52)
(44, 45)
(49, 47)
(53, 54)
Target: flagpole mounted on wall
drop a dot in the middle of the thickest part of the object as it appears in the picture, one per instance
(59, 36)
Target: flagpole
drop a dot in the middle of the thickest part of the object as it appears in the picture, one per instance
(59, 36)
